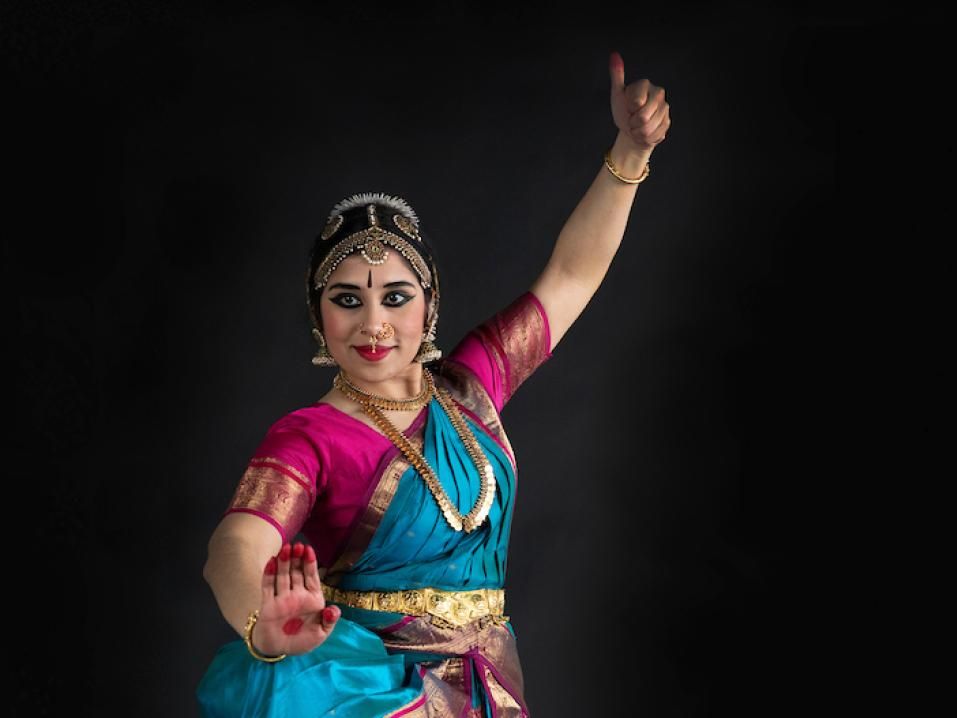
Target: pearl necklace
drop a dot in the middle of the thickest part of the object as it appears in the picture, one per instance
(371, 403)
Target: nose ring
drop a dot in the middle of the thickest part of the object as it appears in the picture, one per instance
(386, 332)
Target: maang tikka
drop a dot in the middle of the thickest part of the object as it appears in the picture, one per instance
(372, 236)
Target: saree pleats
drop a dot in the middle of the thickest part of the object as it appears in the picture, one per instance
(414, 547)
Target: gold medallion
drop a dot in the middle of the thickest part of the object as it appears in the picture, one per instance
(406, 225)
(375, 252)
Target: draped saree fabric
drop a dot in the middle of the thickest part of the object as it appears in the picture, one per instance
(376, 526)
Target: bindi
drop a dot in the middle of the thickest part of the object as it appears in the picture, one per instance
(292, 626)
(369, 284)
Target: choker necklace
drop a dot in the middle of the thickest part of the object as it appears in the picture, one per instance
(370, 404)
(342, 383)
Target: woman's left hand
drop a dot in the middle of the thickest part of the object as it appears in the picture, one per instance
(639, 109)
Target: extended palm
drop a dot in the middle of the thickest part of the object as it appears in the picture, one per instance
(293, 618)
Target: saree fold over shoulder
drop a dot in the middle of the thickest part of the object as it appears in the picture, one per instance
(377, 528)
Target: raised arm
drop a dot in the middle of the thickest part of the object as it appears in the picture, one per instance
(592, 234)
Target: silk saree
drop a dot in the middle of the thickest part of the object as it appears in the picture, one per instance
(376, 527)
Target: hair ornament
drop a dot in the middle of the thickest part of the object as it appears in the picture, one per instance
(386, 200)
(332, 226)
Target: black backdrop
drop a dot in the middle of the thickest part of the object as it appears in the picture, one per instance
(679, 542)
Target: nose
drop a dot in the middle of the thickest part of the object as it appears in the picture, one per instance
(378, 331)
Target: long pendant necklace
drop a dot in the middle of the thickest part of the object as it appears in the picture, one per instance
(371, 405)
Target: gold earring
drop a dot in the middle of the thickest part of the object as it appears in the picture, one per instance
(322, 357)
(428, 352)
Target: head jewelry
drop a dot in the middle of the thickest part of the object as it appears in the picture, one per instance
(373, 224)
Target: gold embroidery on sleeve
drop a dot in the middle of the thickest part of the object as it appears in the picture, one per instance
(272, 491)
(523, 338)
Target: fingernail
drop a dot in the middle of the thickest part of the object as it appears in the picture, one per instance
(270, 569)
(284, 554)
(310, 554)
(328, 614)
(297, 550)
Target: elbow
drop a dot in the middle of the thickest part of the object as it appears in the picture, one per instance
(219, 545)
(207, 571)
(208, 566)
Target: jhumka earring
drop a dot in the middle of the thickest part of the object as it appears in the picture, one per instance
(322, 357)
(427, 349)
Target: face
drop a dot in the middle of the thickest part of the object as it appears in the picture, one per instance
(356, 302)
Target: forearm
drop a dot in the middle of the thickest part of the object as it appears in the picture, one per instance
(234, 571)
(593, 232)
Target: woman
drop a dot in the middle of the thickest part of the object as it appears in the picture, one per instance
(401, 477)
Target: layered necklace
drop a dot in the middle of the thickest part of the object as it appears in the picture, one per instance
(373, 404)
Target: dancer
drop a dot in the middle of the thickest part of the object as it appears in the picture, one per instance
(401, 478)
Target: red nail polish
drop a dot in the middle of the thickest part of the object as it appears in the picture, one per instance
(271, 567)
(310, 554)
(328, 614)
(297, 550)
(284, 554)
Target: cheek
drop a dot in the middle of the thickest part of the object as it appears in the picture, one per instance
(336, 324)
(412, 322)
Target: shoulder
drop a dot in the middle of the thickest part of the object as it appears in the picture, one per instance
(311, 425)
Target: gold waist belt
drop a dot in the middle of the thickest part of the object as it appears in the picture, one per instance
(457, 608)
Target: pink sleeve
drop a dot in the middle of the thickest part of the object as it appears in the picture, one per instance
(506, 349)
(281, 481)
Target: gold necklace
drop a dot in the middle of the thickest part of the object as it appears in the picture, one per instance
(342, 383)
(483, 503)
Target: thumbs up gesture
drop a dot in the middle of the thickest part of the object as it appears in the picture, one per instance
(639, 109)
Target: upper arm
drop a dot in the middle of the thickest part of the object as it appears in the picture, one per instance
(282, 479)
(564, 299)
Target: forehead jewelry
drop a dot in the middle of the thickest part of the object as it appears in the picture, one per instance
(373, 242)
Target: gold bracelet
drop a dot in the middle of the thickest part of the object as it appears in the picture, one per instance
(637, 180)
(248, 640)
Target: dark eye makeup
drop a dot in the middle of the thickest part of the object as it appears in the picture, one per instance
(351, 301)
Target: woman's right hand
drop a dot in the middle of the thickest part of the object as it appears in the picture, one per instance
(293, 617)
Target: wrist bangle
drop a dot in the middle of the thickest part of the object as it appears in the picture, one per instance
(248, 640)
(628, 180)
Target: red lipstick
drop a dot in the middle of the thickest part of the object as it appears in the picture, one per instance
(380, 352)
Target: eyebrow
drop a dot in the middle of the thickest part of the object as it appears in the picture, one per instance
(341, 285)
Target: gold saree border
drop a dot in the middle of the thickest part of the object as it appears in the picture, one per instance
(523, 334)
(468, 392)
(416, 708)
(490, 646)
(382, 496)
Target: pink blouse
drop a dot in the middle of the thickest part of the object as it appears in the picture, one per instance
(317, 467)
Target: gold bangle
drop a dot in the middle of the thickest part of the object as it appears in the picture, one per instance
(248, 640)
(637, 180)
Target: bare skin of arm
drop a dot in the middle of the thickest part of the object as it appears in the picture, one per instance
(249, 568)
(592, 234)
(239, 550)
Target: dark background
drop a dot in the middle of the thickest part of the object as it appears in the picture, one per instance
(692, 518)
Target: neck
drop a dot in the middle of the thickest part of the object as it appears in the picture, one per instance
(408, 383)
